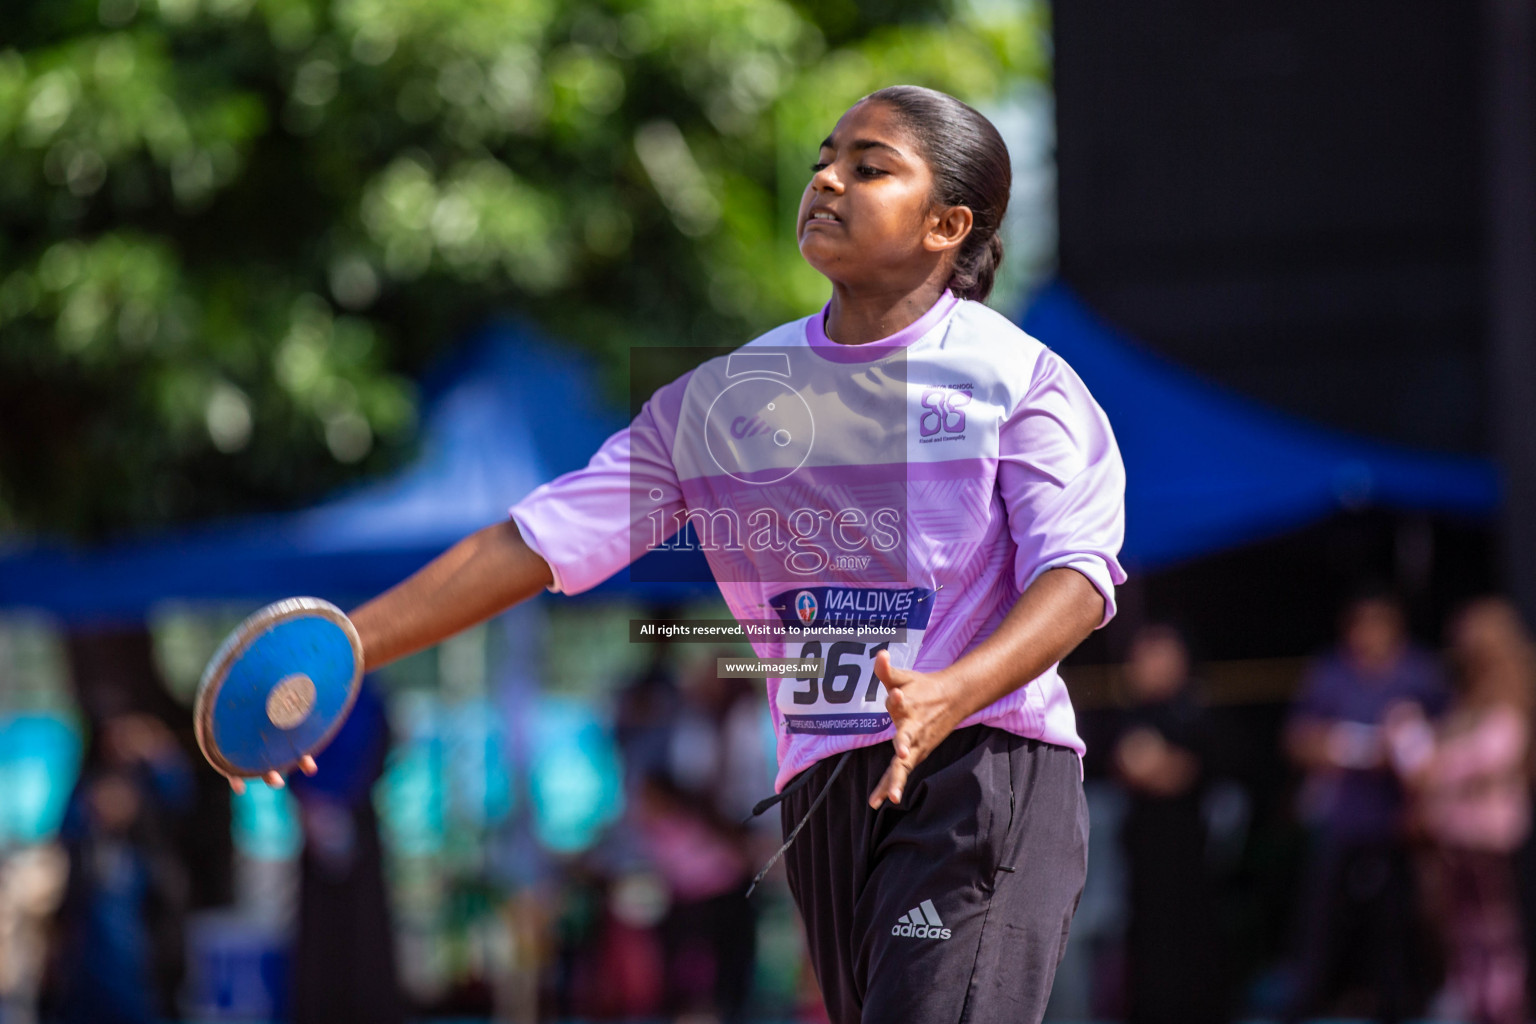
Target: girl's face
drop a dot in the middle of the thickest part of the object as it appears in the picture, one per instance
(867, 215)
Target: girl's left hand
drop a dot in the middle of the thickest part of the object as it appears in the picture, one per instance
(922, 708)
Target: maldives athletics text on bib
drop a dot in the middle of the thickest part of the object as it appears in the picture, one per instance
(838, 626)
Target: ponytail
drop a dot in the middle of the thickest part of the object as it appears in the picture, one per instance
(976, 268)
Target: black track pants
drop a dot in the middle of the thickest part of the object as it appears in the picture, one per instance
(954, 906)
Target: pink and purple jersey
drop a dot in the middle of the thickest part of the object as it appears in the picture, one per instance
(917, 484)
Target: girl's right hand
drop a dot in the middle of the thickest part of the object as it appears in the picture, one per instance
(275, 779)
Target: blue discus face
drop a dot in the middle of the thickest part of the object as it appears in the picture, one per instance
(284, 694)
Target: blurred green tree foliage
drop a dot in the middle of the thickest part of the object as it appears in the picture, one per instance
(235, 229)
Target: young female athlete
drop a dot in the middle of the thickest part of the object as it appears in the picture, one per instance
(941, 825)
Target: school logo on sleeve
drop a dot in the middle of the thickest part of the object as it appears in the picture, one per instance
(806, 607)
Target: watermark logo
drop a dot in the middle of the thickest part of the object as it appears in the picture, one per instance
(759, 430)
(743, 427)
(789, 466)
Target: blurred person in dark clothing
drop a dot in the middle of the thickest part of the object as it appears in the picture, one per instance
(344, 962)
(709, 934)
(1359, 896)
(694, 761)
(1470, 783)
(1162, 754)
(119, 955)
(689, 818)
(645, 717)
(719, 749)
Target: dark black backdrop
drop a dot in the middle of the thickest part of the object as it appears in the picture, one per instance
(1287, 197)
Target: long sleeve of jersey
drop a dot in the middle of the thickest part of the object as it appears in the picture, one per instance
(590, 523)
(1062, 482)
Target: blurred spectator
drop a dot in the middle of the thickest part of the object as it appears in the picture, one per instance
(719, 749)
(646, 717)
(695, 761)
(1356, 907)
(709, 933)
(31, 884)
(344, 962)
(118, 953)
(1471, 784)
(689, 817)
(1163, 756)
(609, 962)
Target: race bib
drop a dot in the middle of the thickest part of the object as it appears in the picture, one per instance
(839, 625)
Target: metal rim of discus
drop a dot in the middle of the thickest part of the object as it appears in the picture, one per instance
(244, 635)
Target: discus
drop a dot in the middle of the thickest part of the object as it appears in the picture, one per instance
(279, 688)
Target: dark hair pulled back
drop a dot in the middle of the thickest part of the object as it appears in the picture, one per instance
(970, 168)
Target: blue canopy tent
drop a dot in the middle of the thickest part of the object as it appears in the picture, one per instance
(1206, 471)
(510, 412)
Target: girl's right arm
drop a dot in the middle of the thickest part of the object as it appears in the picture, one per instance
(587, 519)
(484, 574)
(584, 522)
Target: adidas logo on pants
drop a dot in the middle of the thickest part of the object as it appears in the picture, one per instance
(921, 922)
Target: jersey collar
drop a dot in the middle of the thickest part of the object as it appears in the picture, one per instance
(816, 334)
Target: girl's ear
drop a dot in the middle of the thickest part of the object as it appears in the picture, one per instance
(947, 228)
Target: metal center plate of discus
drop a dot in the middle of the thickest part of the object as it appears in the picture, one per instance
(291, 701)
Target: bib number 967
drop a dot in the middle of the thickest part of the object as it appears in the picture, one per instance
(847, 662)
